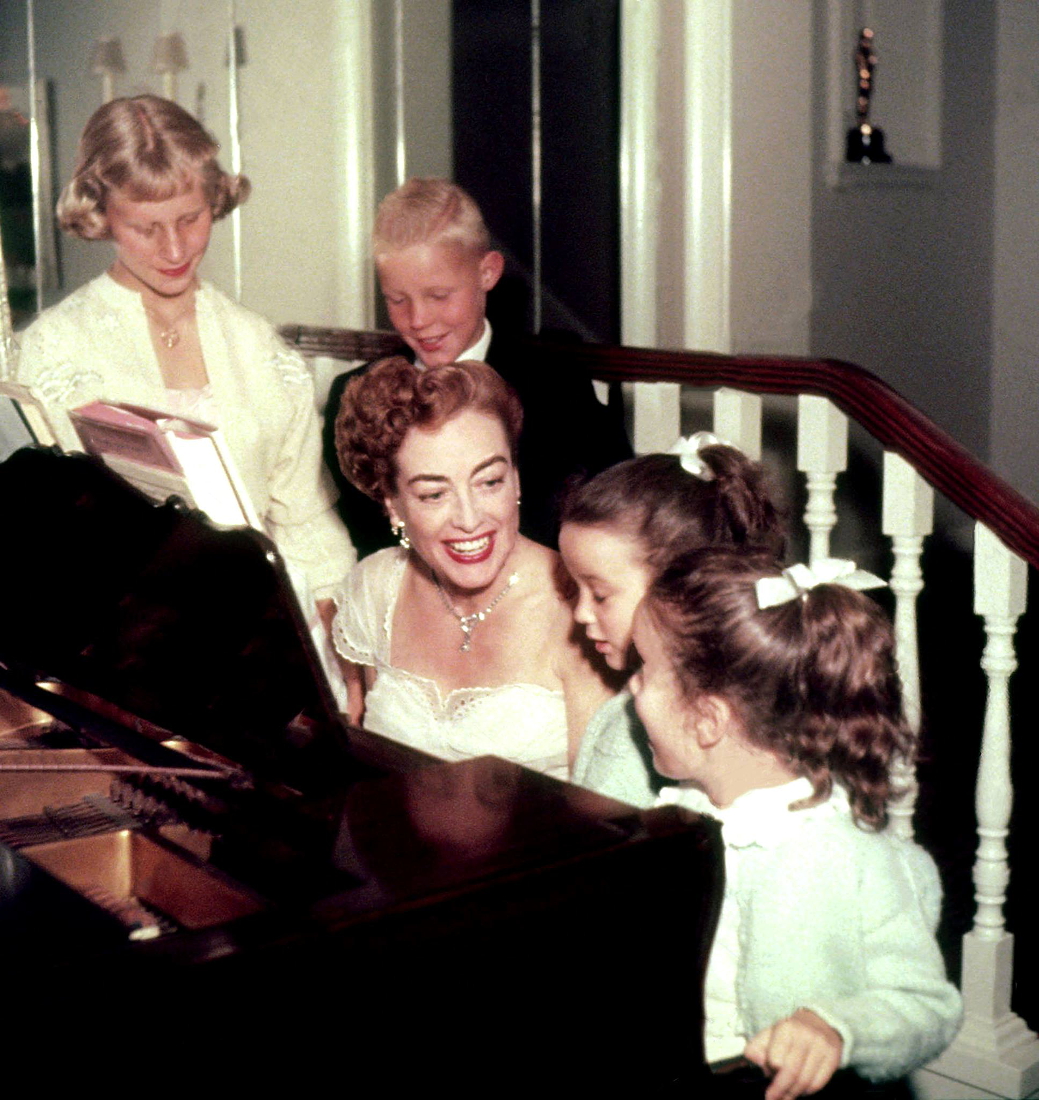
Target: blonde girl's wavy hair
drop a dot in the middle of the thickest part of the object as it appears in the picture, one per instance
(150, 149)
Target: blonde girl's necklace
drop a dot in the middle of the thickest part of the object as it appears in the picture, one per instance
(467, 622)
(168, 335)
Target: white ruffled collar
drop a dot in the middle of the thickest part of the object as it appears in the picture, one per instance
(761, 816)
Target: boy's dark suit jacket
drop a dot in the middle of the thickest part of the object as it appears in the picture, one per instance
(567, 432)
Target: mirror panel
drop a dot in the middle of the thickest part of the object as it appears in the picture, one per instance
(16, 226)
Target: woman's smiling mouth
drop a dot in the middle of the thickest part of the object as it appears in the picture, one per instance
(470, 551)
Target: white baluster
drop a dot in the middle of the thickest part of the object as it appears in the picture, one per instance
(737, 418)
(908, 516)
(658, 415)
(1000, 583)
(822, 453)
(994, 1048)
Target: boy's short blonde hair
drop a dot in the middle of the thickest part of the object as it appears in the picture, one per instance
(149, 148)
(426, 211)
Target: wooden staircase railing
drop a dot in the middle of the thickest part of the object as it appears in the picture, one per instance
(343, 343)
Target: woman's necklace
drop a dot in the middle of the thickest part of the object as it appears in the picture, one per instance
(467, 622)
(168, 335)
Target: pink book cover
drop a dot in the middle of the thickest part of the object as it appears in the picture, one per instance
(131, 432)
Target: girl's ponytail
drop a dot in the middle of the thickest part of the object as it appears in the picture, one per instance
(853, 725)
(742, 504)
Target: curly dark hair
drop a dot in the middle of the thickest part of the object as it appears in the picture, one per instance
(813, 680)
(668, 510)
(383, 403)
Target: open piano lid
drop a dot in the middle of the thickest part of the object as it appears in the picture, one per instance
(192, 628)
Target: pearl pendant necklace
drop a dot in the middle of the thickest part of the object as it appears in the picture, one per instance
(168, 336)
(468, 622)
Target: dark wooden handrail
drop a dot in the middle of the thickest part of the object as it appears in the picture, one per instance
(885, 414)
(343, 343)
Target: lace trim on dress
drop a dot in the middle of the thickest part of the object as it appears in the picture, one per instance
(58, 384)
(196, 404)
(456, 702)
(376, 652)
(293, 368)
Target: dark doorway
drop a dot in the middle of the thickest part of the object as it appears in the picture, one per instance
(580, 149)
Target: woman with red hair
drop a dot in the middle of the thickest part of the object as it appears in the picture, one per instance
(460, 640)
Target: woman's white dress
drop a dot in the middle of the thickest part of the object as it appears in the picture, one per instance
(525, 723)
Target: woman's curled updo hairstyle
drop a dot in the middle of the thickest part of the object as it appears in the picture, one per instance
(149, 148)
(813, 680)
(667, 510)
(383, 403)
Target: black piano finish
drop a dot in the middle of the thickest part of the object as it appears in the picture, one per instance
(471, 925)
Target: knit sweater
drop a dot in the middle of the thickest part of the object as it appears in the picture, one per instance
(836, 919)
(614, 757)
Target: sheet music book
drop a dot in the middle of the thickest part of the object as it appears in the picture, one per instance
(163, 455)
(31, 413)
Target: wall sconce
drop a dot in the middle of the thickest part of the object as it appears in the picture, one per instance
(169, 58)
(106, 61)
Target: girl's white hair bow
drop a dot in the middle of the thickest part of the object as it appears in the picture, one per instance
(688, 449)
(798, 579)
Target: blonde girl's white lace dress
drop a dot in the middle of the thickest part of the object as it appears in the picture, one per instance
(524, 723)
(95, 345)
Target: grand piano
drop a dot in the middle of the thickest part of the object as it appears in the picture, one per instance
(197, 850)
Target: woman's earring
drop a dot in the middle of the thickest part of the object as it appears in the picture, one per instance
(402, 535)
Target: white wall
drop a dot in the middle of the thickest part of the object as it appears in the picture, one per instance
(771, 285)
(903, 275)
(427, 87)
(288, 85)
(65, 38)
(13, 66)
(1014, 414)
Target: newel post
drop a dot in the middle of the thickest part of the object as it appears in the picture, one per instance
(994, 1047)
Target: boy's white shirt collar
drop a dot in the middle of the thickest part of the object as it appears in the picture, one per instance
(478, 351)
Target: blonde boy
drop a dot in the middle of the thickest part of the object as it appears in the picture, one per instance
(435, 265)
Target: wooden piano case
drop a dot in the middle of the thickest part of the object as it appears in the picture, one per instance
(196, 848)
